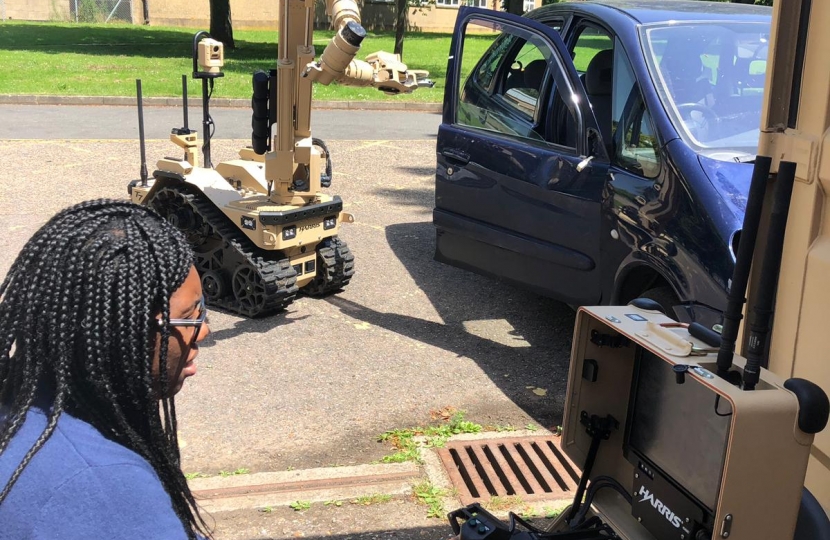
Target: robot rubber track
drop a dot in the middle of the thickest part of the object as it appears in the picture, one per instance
(236, 275)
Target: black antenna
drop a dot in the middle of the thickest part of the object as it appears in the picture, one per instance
(141, 133)
(743, 263)
(759, 326)
(184, 102)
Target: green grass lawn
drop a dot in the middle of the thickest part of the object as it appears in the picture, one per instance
(105, 60)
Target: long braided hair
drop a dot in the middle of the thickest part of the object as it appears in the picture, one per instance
(78, 321)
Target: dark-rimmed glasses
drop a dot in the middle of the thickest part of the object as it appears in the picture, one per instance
(195, 323)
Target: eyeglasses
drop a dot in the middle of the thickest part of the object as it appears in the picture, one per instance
(196, 323)
(199, 321)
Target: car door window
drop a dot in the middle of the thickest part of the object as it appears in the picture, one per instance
(590, 41)
(593, 51)
(505, 81)
(635, 141)
(556, 24)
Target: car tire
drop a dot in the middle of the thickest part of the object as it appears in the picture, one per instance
(664, 296)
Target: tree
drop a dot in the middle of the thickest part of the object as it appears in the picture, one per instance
(516, 7)
(402, 8)
(756, 2)
(220, 22)
(401, 22)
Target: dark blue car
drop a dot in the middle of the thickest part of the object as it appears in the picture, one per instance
(596, 152)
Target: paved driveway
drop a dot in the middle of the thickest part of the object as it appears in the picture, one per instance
(315, 385)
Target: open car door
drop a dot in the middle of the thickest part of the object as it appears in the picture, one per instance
(520, 163)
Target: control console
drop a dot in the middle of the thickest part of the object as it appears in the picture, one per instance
(673, 446)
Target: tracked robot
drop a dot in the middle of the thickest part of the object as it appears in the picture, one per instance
(261, 227)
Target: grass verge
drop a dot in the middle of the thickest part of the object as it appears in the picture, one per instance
(105, 59)
(70, 59)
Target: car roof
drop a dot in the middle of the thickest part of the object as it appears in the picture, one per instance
(656, 11)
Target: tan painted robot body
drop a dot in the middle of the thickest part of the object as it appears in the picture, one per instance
(261, 227)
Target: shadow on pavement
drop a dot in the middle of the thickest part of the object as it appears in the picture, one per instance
(418, 171)
(417, 533)
(248, 326)
(409, 196)
(517, 338)
(414, 533)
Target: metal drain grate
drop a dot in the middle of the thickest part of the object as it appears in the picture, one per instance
(532, 468)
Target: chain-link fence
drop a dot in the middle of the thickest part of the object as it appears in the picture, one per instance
(101, 10)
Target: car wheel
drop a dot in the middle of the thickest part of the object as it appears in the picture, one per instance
(664, 296)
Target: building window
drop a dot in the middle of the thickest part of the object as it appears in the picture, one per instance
(529, 5)
(447, 3)
(477, 3)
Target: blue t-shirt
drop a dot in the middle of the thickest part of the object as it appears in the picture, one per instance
(81, 485)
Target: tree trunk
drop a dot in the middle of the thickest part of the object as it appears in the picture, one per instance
(221, 27)
(401, 18)
(516, 7)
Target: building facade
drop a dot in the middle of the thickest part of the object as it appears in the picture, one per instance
(432, 16)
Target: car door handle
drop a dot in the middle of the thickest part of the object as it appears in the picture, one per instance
(457, 157)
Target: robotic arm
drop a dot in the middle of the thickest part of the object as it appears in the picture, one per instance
(294, 164)
(382, 70)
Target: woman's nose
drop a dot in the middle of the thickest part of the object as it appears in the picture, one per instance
(204, 331)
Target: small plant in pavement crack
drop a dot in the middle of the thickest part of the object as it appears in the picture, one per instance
(431, 496)
(300, 506)
(434, 436)
(225, 474)
(502, 503)
(376, 498)
(551, 513)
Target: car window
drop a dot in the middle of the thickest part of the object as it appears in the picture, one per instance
(635, 141)
(710, 78)
(623, 85)
(504, 81)
(590, 41)
(638, 151)
(592, 51)
(556, 24)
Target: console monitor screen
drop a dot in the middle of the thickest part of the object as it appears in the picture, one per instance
(678, 428)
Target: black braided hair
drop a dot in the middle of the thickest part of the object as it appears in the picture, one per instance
(78, 315)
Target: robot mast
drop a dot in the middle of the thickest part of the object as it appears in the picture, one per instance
(294, 165)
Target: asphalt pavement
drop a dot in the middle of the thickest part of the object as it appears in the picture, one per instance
(313, 387)
(121, 122)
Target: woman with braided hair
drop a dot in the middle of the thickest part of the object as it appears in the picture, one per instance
(100, 318)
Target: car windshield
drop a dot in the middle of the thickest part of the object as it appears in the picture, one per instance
(710, 77)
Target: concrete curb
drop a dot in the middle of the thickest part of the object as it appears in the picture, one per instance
(23, 99)
(270, 489)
